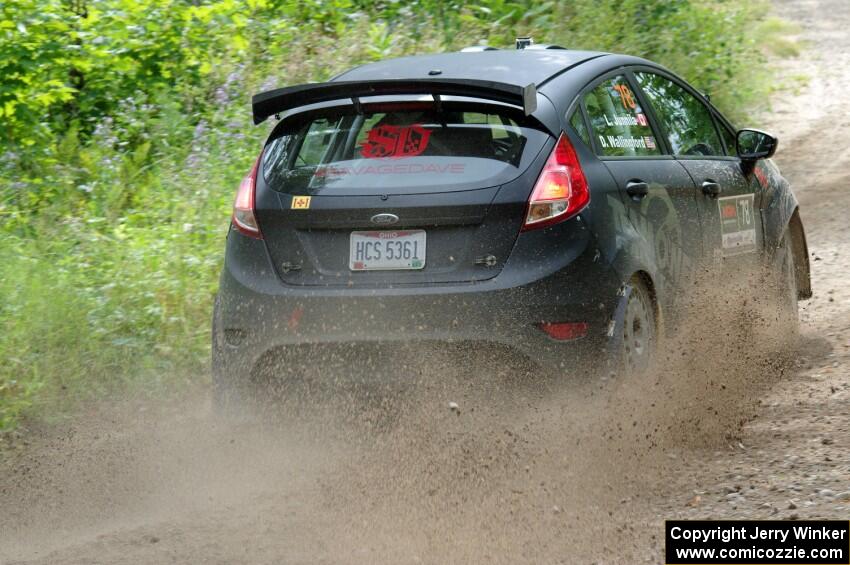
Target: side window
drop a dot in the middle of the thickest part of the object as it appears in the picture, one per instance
(617, 120)
(577, 121)
(689, 124)
(729, 139)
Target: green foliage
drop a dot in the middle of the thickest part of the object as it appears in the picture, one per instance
(126, 128)
(35, 64)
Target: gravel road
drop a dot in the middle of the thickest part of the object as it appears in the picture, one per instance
(521, 470)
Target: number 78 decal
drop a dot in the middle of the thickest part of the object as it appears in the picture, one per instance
(737, 224)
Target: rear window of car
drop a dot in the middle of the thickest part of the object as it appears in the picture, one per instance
(401, 149)
(620, 126)
(577, 121)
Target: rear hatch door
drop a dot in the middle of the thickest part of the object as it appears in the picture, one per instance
(397, 193)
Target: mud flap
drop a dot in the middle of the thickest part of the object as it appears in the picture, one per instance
(614, 343)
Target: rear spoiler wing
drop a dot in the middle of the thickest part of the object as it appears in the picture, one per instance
(273, 102)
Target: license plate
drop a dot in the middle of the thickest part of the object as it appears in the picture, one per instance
(387, 250)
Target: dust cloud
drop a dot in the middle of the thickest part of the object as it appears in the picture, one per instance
(364, 461)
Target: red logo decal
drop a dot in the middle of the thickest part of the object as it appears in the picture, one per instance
(395, 141)
(729, 211)
(761, 176)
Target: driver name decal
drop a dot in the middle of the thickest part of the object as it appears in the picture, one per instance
(644, 142)
(737, 224)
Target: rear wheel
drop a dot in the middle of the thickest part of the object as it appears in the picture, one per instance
(639, 329)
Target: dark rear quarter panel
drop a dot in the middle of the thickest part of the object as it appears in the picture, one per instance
(621, 245)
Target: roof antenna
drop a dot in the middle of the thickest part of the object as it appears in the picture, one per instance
(523, 42)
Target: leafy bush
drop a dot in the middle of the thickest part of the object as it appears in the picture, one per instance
(126, 128)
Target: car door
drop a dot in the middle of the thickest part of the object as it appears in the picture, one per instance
(728, 198)
(657, 192)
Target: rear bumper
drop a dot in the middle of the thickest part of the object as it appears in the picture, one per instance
(257, 313)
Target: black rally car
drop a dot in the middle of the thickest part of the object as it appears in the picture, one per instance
(553, 201)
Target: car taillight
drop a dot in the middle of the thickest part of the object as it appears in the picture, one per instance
(244, 218)
(561, 191)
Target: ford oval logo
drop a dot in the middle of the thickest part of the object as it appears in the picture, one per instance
(384, 219)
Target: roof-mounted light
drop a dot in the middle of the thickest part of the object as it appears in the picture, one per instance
(524, 42)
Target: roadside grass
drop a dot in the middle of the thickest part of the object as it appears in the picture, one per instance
(96, 301)
(84, 316)
(778, 37)
(113, 217)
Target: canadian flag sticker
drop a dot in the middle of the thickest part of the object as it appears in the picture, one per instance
(300, 202)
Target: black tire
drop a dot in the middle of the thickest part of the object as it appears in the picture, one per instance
(640, 329)
(785, 275)
(227, 394)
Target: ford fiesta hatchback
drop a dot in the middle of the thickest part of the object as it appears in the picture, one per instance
(552, 201)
